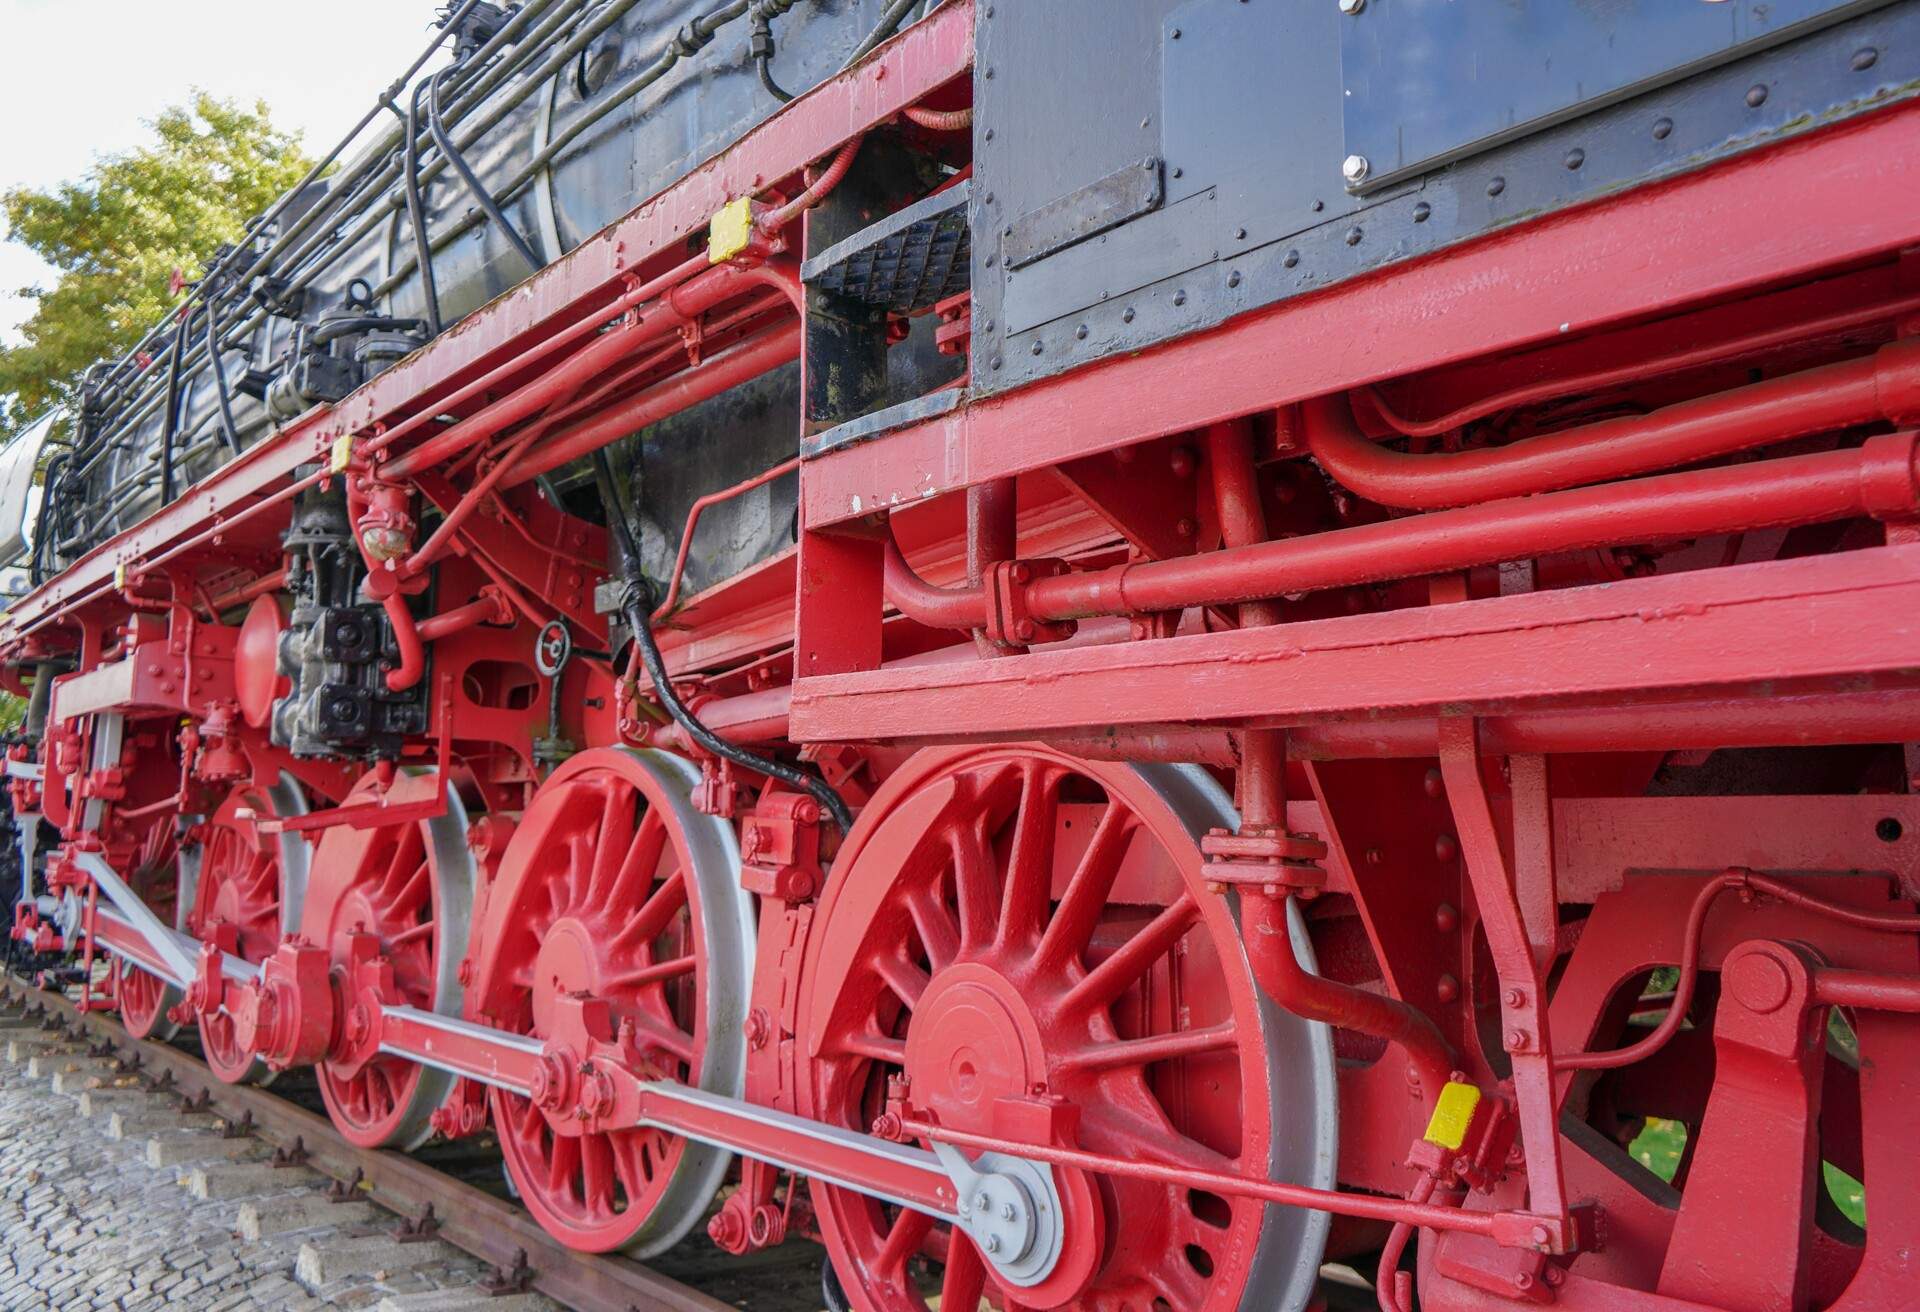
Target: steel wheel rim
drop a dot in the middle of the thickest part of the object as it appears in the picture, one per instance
(899, 862)
(548, 910)
(248, 886)
(144, 1001)
(412, 887)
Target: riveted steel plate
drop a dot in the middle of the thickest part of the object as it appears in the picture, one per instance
(1431, 81)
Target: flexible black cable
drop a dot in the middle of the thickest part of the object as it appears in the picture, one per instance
(889, 23)
(416, 211)
(170, 421)
(636, 601)
(760, 44)
(453, 156)
(227, 426)
(44, 524)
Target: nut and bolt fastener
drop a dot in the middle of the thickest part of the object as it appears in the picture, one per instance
(1351, 7)
(993, 1243)
(1354, 168)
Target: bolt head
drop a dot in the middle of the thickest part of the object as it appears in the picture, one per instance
(1354, 168)
(993, 1243)
(1351, 7)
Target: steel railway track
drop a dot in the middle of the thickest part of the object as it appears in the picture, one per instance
(490, 1228)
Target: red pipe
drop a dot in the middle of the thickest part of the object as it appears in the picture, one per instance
(248, 591)
(679, 307)
(1876, 479)
(1314, 997)
(1884, 386)
(940, 120)
(830, 177)
(1639, 371)
(1867, 990)
(491, 607)
(565, 337)
(737, 364)
(413, 654)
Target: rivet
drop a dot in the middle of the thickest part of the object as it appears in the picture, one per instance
(1240, 234)
(1496, 185)
(1081, 332)
(1422, 212)
(1292, 258)
(1007, 231)
(987, 135)
(1126, 316)
(1662, 129)
(991, 261)
(1576, 157)
(1233, 279)
(995, 362)
(1180, 298)
(1174, 34)
(987, 199)
(1353, 235)
(1179, 173)
(1756, 95)
(1445, 848)
(987, 327)
(1317, 206)
(1865, 58)
(1035, 348)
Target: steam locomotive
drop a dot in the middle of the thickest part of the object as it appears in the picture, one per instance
(1109, 654)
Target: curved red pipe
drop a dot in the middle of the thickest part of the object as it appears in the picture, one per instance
(1314, 997)
(413, 653)
(1884, 386)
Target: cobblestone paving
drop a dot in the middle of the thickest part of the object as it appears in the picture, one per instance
(88, 1223)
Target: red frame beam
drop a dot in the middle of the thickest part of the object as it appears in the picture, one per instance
(1763, 629)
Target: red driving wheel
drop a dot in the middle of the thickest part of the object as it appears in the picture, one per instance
(244, 884)
(410, 888)
(145, 998)
(1009, 921)
(614, 887)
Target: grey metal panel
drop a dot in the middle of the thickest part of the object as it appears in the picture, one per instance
(1248, 101)
(1430, 81)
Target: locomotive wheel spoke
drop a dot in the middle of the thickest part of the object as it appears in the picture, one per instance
(1029, 881)
(910, 1230)
(964, 1281)
(1125, 1054)
(1071, 930)
(651, 920)
(976, 886)
(611, 848)
(1134, 958)
(938, 934)
(659, 973)
(906, 980)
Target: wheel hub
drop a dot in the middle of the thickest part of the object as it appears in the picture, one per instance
(974, 1041)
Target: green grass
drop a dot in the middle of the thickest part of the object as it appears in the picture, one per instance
(1659, 1145)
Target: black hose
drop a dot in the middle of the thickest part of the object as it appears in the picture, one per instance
(760, 44)
(44, 524)
(453, 156)
(220, 374)
(889, 23)
(416, 212)
(636, 601)
(170, 423)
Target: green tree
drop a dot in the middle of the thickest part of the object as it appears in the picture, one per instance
(117, 235)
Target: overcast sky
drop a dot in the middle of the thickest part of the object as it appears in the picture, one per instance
(79, 78)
